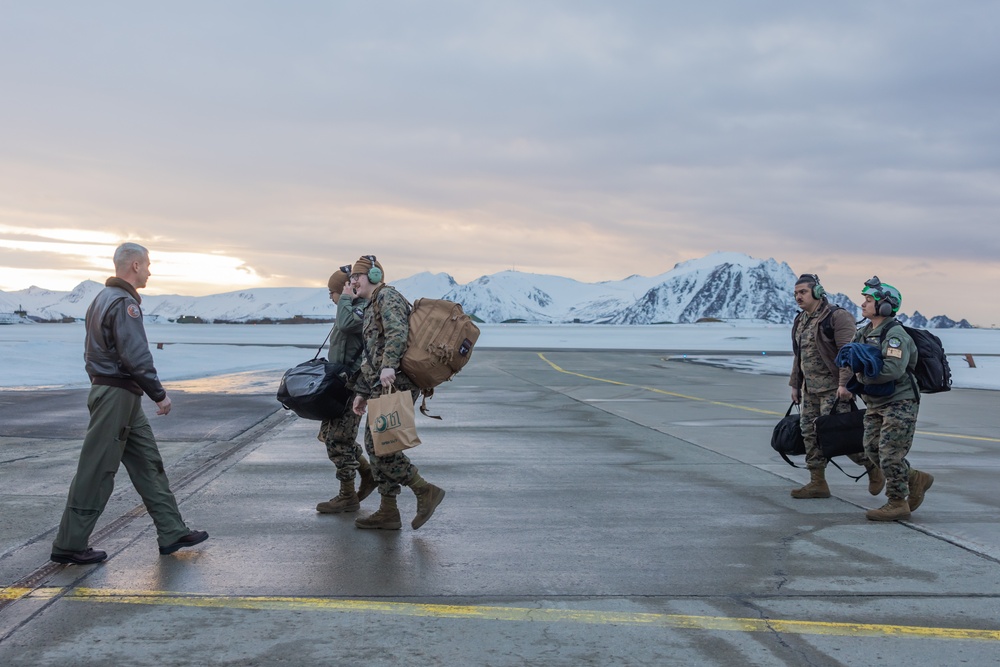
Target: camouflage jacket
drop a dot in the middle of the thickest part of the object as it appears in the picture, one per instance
(384, 331)
(814, 353)
(899, 358)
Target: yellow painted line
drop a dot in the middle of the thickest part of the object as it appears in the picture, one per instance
(513, 614)
(12, 593)
(980, 438)
(657, 391)
(983, 438)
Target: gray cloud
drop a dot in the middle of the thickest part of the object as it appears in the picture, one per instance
(468, 137)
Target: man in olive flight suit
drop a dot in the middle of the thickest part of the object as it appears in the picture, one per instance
(891, 419)
(120, 366)
(385, 330)
(340, 434)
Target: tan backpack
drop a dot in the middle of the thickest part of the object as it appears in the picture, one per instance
(438, 346)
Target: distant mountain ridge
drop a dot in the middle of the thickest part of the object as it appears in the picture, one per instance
(725, 286)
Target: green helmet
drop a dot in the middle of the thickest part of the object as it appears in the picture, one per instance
(887, 298)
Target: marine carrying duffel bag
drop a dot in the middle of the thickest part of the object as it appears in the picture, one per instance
(315, 389)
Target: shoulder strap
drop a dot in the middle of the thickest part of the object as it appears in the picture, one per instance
(885, 331)
(378, 313)
(795, 327)
(847, 473)
(826, 326)
(330, 333)
(789, 461)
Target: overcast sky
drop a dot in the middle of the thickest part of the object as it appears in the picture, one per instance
(264, 143)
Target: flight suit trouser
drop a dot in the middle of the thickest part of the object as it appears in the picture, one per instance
(118, 433)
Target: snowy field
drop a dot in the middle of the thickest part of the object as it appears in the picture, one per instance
(241, 358)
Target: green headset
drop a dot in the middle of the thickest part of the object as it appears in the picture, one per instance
(817, 291)
(374, 273)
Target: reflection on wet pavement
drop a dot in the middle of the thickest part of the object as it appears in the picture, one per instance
(246, 382)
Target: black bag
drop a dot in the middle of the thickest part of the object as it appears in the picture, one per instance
(787, 437)
(839, 434)
(932, 372)
(315, 389)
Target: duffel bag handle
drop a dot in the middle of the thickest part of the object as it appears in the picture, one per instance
(833, 408)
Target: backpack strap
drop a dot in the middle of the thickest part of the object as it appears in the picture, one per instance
(795, 326)
(826, 326)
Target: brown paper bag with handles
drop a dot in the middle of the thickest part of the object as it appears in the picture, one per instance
(390, 418)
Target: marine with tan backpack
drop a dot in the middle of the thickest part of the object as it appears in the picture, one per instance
(439, 345)
(442, 344)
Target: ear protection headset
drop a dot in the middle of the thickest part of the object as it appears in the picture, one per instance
(886, 302)
(374, 273)
(885, 305)
(818, 291)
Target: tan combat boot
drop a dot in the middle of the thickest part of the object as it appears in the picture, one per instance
(368, 483)
(428, 498)
(346, 501)
(816, 488)
(386, 518)
(894, 510)
(876, 480)
(919, 483)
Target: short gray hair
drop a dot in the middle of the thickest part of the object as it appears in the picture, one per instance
(127, 253)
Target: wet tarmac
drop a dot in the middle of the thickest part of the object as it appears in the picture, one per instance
(603, 508)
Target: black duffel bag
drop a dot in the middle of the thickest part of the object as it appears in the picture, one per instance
(839, 434)
(787, 437)
(315, 389)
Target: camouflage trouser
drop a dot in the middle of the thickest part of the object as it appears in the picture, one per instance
(813, 405)
(888, 438)
(340, 436)
(394, 471)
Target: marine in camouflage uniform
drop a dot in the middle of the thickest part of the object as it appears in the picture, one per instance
(384, 334)
(340, 434)
(890, 421)
(818, 385)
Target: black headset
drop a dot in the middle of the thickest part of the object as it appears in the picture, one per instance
(374, 273)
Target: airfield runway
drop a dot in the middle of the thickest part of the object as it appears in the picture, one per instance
(603, 508)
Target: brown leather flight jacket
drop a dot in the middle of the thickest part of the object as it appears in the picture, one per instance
(116, 351)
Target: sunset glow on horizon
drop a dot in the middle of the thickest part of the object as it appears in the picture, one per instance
(265, 146)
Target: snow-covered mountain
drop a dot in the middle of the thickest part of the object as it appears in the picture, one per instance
(725, 286)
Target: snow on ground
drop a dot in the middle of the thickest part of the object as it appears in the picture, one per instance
(230, 358)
